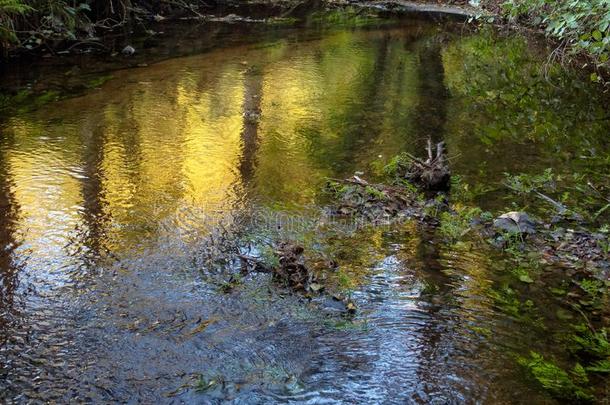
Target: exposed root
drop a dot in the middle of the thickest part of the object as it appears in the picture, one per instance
(433, 173)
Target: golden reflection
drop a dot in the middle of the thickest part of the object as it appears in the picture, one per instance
(46, 188)
(210, 130)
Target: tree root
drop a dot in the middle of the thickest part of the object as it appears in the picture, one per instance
(432, 174)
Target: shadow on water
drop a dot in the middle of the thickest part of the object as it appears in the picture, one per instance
(114, 203)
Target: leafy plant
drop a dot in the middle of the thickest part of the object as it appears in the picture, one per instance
(558, 382)
(591, 344)
(522, 274)
(456, 225)
(583, 25)
(602, 367)
(9, 10)
(526, 183)
(596, 291)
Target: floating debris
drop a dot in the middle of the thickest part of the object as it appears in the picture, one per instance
(403, 197)
(295, 272)
(290, 271)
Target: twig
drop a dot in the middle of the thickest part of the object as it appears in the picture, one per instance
(560, 207)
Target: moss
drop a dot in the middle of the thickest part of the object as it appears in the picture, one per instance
(373, 192)
(98, 81)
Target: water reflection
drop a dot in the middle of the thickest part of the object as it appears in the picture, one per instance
(8, 242)
(101, 206)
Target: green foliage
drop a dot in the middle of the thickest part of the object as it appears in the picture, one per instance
(398, 165)
(46, 21)
(559, 383)
(9, 10)
(596, 293)
(14, 7)
(375, 193)
(588, 343)
(396, 170)
(526, 183)
(583, 24)
(456, 225)
(522, 274)
(601, 367)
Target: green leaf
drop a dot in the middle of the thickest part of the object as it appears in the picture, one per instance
(597, 35)
(524, 278)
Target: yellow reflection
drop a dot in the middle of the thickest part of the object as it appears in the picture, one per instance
(174, 135)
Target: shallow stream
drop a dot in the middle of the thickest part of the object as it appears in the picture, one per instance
(111, 201)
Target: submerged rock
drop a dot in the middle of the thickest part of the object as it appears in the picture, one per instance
(515, 222)
(128, 50)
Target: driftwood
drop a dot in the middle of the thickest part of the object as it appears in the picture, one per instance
(433, 173)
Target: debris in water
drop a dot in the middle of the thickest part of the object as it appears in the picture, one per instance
(376, 202)
(292, 270)
(433, 173)
(515, 223)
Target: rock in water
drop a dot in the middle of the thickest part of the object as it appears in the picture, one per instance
(515, 222)
(128, 50)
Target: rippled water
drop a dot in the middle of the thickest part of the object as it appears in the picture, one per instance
(110, 201)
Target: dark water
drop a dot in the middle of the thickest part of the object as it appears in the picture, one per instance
(111, 203)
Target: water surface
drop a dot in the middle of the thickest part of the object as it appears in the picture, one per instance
(111, 202)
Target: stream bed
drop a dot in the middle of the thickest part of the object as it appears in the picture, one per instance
(112, 202)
